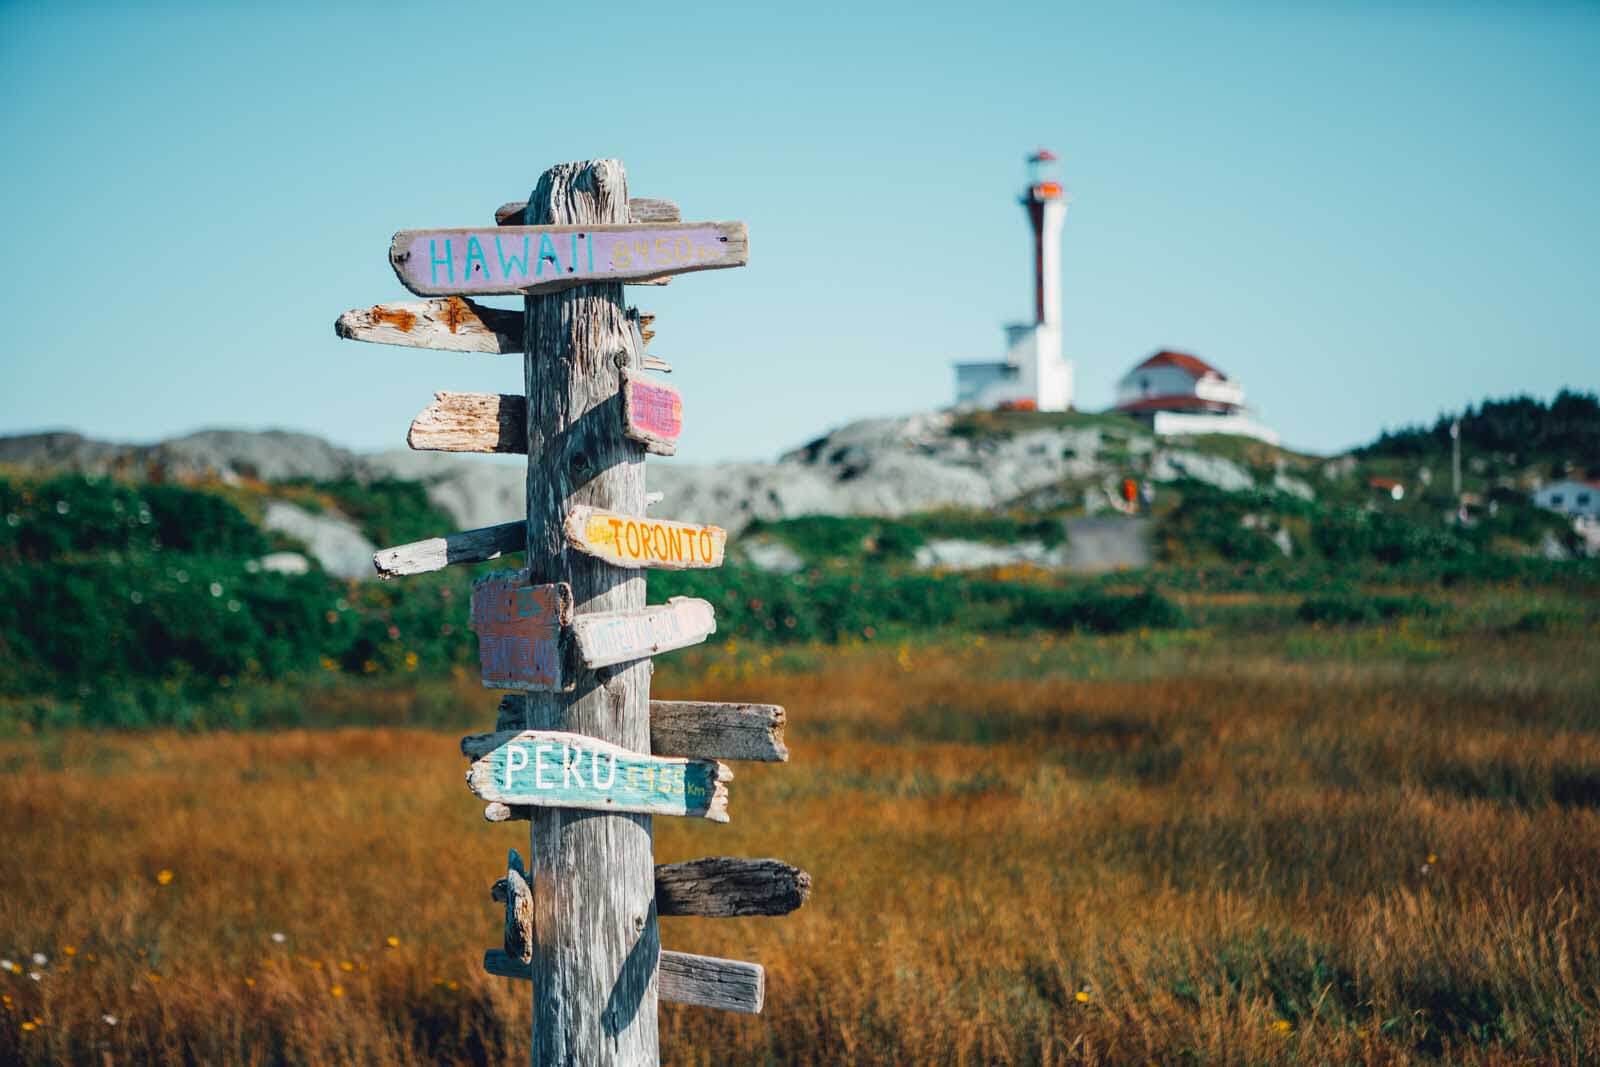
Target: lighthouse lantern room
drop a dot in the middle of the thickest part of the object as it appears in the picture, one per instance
(1034, 374)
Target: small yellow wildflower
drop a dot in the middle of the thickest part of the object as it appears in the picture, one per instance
(5, 998)
(437, 980)
(251, 982)
(1081, 996)
(392, 941)
(164, 877)
(1282, 1026)
(1432, 858)
(16, 968)
(29, 1027)
(452, 986)
(337, 991)
(346, 966)
(70, 950)
(153, 977)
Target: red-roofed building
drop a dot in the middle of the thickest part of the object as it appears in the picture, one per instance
(1182, 394)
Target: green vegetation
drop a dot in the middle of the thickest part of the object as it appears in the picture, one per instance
(836, 540)
(1521, 430)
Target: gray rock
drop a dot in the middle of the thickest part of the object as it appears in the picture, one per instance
(1107, 542)
(332, 540)
(1169, 465)
(765, 554)
(1284, 482)
(970, 555)
(283, 563)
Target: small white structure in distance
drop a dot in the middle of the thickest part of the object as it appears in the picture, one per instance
(1570, 497)
(1034, 375)
(1182, 394)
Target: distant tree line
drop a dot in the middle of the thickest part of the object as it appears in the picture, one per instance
(1566, 430)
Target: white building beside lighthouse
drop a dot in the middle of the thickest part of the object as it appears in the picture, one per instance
(1034, 374)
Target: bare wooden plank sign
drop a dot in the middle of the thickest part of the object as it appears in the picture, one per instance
(519, 628)
(608, 637)
(701, 981)
(652, 413)
(549, 769)
(725, 887)
(716, 887)
(521, 259)
(472, 422)
(452, 324)
(437, 553)
(629, 541)
(718, 731)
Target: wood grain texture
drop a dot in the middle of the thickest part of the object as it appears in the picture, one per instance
(548, 768)
(640, 209)
(718, 731)
(725, 887)
(596, 942)
(448, 324)
(702, 981)
(696, 729)
(611, 637)
(652, 413)
(471, 422)
(518, 900)
(436, 553)
(445, 324)
(550, 258)
(631, 541)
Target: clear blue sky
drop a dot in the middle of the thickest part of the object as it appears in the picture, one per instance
(1368, 213)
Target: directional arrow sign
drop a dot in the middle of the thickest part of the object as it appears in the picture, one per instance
(652, 413)
(519, 631)
(449, 325)
(608, 637)
(520, 259)
(627, 541)
(544, 768)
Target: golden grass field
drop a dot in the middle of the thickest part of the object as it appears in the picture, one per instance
(1299, 846)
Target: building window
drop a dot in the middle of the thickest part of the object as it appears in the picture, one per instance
(1583, 500)
(1144, 386)
(1556, 499)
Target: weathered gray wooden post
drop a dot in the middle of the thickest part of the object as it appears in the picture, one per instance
(591, 873)
(581, 750)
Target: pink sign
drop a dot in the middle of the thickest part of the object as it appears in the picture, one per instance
(654, 409)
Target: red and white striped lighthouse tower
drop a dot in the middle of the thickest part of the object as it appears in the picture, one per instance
(1034, 374)
(1046, 204)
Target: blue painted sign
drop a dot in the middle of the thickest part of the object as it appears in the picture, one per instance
(546, 768)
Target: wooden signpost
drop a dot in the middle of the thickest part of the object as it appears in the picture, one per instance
(555, 770)
(625, 541)
(519, 627)
(580, 751)
(524, 259)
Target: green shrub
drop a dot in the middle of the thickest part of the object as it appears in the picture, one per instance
(1345, 608)
(74, 515)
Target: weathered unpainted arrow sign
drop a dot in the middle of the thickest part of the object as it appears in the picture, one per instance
(608, 637)
(545, 768)
(519, 627)
(450, 324)
(701, 981)
(437, 553)
(523, 259)
(697, 729)
(716, 887)
(629, 541)
(640, 209)
(471, 422)
(652, 413)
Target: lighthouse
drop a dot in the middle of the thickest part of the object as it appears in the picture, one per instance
(1034, 374)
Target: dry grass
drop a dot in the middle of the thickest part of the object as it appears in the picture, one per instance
(1313, 849)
